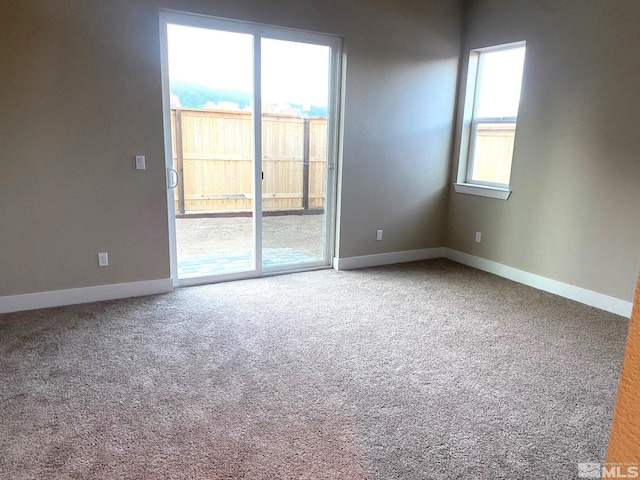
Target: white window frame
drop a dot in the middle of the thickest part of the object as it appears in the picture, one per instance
(470, 122)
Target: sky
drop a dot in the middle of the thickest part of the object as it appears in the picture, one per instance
(291, 72)
(501, 83)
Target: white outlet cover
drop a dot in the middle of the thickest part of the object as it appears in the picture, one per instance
(140, 162)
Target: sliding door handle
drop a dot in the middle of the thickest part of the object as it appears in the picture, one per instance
(173, 178)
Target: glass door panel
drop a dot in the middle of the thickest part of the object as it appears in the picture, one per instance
(211, 86)
(295, 107)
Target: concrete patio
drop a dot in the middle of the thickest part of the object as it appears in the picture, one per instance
(220, 245)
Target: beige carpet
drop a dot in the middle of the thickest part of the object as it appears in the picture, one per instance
(428, 370)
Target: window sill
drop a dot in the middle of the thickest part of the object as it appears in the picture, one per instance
(482, 191)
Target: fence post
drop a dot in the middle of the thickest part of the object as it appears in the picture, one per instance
(180, 160)
(305, 165)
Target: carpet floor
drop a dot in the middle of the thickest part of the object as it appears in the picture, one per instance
(426, 370)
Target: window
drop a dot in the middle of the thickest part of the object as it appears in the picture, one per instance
(490, 117)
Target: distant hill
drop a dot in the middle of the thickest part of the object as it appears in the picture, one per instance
(194, 95)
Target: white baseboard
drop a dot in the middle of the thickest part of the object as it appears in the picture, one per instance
(588, 297)
(32, 301)
(350, 263)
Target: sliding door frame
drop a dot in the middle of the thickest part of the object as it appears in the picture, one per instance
(259, 32)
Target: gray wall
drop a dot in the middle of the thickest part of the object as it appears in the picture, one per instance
(573, 215)
(81, 96)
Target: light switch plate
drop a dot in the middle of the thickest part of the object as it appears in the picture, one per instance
(140, 162)
(103, 259)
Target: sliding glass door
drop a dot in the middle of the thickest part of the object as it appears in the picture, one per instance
(250, 136)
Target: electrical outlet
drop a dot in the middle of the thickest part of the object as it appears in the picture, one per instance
(478, 237)
(140, 162)
(378, 235)
(103, 259)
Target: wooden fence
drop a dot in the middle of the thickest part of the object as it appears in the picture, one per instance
(493, 152)
(213, 153)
